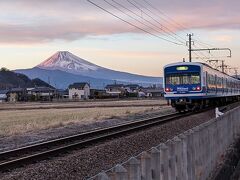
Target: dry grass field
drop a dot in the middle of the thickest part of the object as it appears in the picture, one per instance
(14, 122)
(82, 104)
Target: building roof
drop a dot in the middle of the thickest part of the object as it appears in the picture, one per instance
(153, 90)
(114, 86)
(3, 96)
(42, 89)
(4, 91)
(97, 90)
(13, 90)
(132, 86)
(78, 85)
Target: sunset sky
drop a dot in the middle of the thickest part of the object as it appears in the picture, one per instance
(33, 30)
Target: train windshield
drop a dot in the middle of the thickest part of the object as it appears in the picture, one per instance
(179, 79)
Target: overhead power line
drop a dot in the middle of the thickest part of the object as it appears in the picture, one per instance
(132, 17)
(161, 12)
(160, 30)
(154, 22)
(139, 6)
(132, 24)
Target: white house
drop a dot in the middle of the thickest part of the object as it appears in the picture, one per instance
(79, 91)
(3, 95)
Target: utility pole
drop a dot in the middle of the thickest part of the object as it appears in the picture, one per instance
(190, 46)
(190, 50)
(235, 71)
(222, 66)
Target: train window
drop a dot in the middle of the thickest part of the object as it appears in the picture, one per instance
(185, 79)
(173, 79)
(195, 79)
(188, 78)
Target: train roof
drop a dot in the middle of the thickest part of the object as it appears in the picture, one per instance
(186, 63)
(196, 64)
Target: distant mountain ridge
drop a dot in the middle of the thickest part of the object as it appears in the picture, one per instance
(9, 79)
(61, 79)
(64, 68)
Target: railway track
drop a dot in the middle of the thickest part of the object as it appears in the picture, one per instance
(33, 153)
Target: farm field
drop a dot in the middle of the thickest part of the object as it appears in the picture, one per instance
(83, 104)
(14, 122)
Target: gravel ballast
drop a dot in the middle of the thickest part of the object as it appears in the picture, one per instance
(15, 141)
(90, 161)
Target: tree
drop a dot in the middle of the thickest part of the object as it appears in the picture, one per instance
(3, 69)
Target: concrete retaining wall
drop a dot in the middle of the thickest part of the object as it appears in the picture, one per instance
(192, 155)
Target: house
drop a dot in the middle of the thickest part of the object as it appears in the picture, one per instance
(153, 92)
(132, 88)
(99, 94)
(40, 93)
(115, 90)
(61, 94)
(3, 95)
(17, 94)
(79, 90)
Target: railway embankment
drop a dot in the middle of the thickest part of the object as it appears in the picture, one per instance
(229, 168)
(194, 154)
(87, 162)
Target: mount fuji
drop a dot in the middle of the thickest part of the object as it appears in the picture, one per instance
(64, 68)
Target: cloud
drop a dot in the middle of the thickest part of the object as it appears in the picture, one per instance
(32, 21)
(224, 38)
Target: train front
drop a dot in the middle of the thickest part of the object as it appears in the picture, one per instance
(182, 85)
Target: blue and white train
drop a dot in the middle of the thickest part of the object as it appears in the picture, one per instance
(191, 86)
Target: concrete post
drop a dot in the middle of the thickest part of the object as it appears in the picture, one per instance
(190, 154)
(197, 171)
(133, 169)
(237, 127)
(235, 119)
(102, 176)
(184, 156)
(146, 170)
(206, 156)
(120, 173)
(220, 143)
(178, 156)
(172, 160)
(232, 127)
(164, 161)
(211, 148)
(201, 151)
(215, 139)
(155, 163)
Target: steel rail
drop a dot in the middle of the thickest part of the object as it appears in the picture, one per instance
(33, 153)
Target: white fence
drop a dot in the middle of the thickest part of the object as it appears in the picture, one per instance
(192, 155)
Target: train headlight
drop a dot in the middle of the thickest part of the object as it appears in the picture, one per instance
(167, 89)
(198, 88)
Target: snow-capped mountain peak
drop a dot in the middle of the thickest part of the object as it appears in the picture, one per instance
(64, 60)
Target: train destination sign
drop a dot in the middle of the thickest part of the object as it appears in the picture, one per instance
(182, 68)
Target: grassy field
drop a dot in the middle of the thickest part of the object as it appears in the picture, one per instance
(82, 104)
(14, 122)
